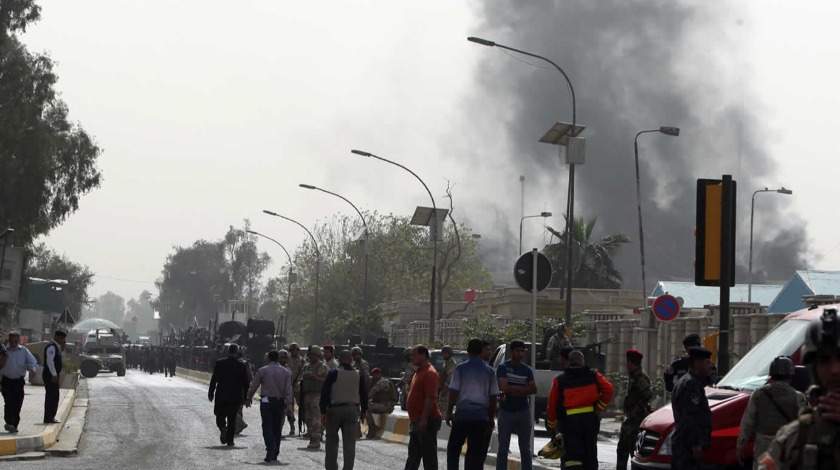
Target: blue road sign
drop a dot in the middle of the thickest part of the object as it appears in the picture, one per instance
(666, 307)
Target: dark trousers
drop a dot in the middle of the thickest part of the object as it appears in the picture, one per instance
(272, 424)
(13, 398)
(423, 447)
(474, 433)
(226, 419)
(342, 418)
(683, 458)
(50, 397)
(580, 438)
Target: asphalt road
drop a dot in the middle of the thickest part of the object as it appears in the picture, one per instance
(144, 421)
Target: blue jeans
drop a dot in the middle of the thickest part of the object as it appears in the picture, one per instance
(475, 435)
(520, 423)
(272, 424)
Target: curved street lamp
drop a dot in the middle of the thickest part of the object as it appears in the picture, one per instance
(434, 237)
(781, 190)
(673, 132)
(289, 289)
(570, 201)
(316, 331)
(367, 250)
(541, 214)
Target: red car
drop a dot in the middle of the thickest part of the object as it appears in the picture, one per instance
(728, 399)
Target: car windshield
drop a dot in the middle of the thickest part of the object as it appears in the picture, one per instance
(752, 371)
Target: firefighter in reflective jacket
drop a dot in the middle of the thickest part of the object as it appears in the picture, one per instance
(577, 397)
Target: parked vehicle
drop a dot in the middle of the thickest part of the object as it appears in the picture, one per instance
(729, 398)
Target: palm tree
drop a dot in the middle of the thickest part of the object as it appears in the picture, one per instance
(593, 261)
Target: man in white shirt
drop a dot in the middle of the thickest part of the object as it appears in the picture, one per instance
(51, 375)
(18, 361)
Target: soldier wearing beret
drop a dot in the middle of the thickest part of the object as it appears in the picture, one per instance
(636, 406)
(692, 416)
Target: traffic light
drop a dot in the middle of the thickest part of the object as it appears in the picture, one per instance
(709, 232)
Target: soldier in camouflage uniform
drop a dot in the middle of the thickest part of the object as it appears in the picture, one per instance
(313, 376)
(383, 398)
(363, 368)
(446, 372)
(295, 364)
(771, 407)
(636, 406)
(813, 440)
(692, 433)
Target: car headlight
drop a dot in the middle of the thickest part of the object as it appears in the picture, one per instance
(665, 448)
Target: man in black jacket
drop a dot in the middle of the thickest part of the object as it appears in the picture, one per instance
(229, 384)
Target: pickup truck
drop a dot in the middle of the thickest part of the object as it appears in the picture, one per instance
(729, 398)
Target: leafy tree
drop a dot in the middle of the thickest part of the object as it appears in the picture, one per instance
(109, 306)
(46, 161)
(400, 265)
(44, 263)
(142, 309)
(593, 260)
(341, 328)
(246, 263)
(193, 279)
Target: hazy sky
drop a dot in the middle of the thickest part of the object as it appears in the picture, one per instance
(210, 111)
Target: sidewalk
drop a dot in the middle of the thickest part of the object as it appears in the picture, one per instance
(33, 434)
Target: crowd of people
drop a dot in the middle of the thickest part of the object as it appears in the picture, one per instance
(152, 359)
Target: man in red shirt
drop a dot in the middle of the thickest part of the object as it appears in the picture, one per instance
(423, 412)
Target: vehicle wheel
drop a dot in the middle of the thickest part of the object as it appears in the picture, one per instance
(89, 370)
(121, 372)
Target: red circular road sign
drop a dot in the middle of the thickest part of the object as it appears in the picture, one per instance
(666, 307)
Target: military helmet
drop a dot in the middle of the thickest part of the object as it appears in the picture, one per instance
(355, 350)
(782, 367)
(448, 349)
(554, 449)
(407, 352)
(316, 350)
(294, 346)
(822, 333)
(283, 353)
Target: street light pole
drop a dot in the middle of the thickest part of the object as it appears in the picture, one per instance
(367, 250)
(674, 132)
(432, 316)
(289, 289)
(781, 190)
(316, 326)
(541, 214)
(570, 212)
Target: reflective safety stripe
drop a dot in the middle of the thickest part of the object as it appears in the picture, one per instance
(573, 463)
(577, 411)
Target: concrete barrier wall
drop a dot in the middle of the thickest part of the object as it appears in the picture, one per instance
(198, 376)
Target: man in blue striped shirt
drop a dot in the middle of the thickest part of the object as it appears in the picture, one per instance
(18, 361)
(473, 393)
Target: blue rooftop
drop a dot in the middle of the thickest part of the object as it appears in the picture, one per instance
(805, 282)
(700, 296)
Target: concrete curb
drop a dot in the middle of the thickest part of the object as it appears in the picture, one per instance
(195, 375)
(396, 432)
(46, 438)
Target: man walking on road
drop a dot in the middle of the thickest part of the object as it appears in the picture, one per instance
(473, 391)
(344, 392)
(52, 375)
(577, 397)
(423, 412)
(18, 361)
(275, 382)
(636, 406)
(516, 383)
(295, 364)
(692, 417)
(229, 385)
